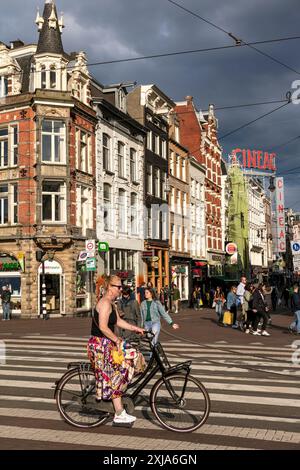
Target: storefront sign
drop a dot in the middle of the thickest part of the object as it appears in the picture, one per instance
(231, 248)
(279, 225)
(103, 247)
(9, 263)
(21, 259)
(51, 267)
(147, 254)
(255, 159)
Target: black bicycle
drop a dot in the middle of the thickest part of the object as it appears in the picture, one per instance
(178, 400)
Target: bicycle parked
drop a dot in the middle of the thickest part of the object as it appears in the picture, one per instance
(178, 400)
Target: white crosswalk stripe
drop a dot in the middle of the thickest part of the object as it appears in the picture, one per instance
(254, 392)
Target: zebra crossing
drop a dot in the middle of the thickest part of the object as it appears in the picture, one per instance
(254, 391)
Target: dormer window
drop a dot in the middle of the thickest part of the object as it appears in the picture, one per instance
(3, 86)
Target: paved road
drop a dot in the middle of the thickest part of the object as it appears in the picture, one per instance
(253, 385)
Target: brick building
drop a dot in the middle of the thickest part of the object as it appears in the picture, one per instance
(47, 168)
(198, 132)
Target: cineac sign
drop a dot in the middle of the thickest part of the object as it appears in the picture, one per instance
(255, 159)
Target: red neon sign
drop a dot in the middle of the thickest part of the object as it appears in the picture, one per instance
(255, 159)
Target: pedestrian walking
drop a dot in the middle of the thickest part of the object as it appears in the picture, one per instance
(231, 303)
(5, 297)
(129, 310)
(152, 311)
(295, 301)
(260, 307)
(218, 303)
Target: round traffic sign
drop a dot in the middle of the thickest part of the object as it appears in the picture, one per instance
(296, 247)
(231, 248)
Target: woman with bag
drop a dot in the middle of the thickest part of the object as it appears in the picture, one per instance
(112, 363)
(231, 305)
(151, 312)
(218, 302)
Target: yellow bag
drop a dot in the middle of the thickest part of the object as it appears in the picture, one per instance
(118, 356)
(228, 318)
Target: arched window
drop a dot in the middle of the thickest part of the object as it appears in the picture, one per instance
(52, 76)
(43, 77)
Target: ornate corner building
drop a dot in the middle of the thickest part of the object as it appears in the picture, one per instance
(47, 170)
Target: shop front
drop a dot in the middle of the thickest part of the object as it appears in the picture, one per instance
(122, 263)
(55, 288)
(10, 276)
(157, 267)
(181, 277)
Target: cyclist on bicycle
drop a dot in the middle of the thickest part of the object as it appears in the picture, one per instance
(112, 378)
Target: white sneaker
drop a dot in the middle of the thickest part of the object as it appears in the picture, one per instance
(124, 418)
(247, 331)
(256, 333)
(265, 333)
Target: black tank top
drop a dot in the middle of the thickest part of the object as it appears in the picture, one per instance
(95, 330)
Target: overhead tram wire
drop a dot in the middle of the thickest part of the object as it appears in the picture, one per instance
(169, 54)
(253, 120)
(238, 42)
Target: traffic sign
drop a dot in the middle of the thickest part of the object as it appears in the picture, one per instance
(295, 247)
(231, 248)
(82, 256)
(90, 245)
(90, 264)
(103, 247)
(154, 258)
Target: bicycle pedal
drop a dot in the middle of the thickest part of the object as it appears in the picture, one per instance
(122, 425)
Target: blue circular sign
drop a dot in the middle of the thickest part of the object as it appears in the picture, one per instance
(296, 247)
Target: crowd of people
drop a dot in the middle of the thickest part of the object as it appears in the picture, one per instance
(248, 306)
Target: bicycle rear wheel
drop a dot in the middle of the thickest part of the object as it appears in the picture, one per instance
(75, 400)
(177, 409)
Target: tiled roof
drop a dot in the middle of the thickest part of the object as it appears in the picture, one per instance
(50, 38)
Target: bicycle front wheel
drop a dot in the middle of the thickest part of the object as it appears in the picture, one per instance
(180, 404)
(75, 400)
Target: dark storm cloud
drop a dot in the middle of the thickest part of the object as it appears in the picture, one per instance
(111, 29)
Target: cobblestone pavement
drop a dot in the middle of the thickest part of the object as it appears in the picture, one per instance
(252, 382)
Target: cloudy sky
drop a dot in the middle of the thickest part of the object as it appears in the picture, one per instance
(121, 29)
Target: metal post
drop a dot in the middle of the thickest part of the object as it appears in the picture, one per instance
(44, 297)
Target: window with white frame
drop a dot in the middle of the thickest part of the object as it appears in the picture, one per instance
(14, 197)
(133, 165)
(84, 214)
(53, 77)
(53, 201)
(172, 199)
(43, 77)
(179, 237)
(156, 182)
(149, 179)
(177, 166)
(122, 211)
(3, 204)
(193, 182)
(133, 214)
(173, 242)
(107, 202)
(164, 149)
(15, 144)
(176, 133)
(3, 147)
(3, 86)
(172, 157)
(184, 204)
(183, 177)
(149, 140)
(164, 225)
(121, 159)
(164, 194)
(149, 222)
(155, 221)
(178, 206)
(185, 240)
(106, 145)
(157, 144)
(53, 141)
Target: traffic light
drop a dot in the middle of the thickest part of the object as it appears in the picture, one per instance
(39, 255)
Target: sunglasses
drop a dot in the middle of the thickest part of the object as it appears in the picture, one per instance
(116, 285)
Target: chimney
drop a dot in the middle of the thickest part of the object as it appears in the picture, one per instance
(189, 99)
